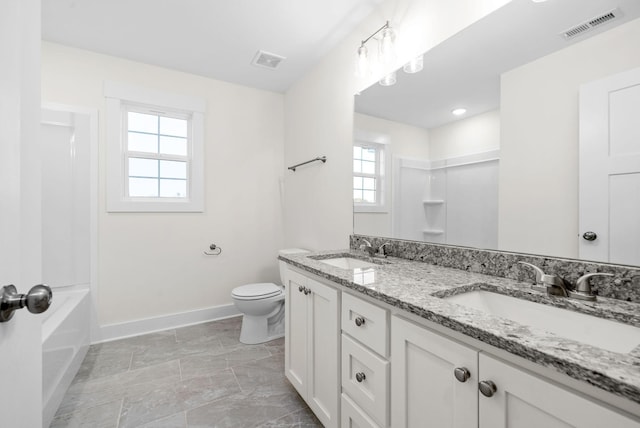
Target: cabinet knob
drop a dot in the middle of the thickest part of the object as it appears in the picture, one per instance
(462, 374)
(487, 388)
(360, 376)
(301, 288)
(306, 291)
(359, 321)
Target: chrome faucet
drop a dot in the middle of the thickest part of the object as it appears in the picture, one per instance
(381, 250)
(583, 287)
(553, 285)
(368, 248)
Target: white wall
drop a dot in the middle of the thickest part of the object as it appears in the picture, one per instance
(319, 115)
(538, 183)
(151, 264)
(476, 134)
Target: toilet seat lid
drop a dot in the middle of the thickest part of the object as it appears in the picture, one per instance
(261, 290)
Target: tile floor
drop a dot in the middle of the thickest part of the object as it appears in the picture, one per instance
(197, 376)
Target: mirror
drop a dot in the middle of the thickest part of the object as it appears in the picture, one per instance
(504, 175)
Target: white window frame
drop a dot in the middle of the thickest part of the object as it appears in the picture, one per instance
(382, 165)
(121, 98)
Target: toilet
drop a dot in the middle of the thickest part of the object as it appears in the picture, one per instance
(262, 305)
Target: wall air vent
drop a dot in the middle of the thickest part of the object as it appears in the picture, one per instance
(267, 60)
(592, 23)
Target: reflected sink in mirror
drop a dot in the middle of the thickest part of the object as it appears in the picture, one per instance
(599, 332)
(349, 263)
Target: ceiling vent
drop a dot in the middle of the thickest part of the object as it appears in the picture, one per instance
(267, 60)
(591, 24)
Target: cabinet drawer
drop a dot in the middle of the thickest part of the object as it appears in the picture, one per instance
(352, 416)
(365, 379)
(366, 322)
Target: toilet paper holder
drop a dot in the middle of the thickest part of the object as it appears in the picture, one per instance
(215, 250)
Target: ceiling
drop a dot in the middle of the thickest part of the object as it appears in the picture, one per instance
(465, 70)
(212, 38)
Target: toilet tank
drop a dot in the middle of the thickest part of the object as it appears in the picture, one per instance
(283, 265)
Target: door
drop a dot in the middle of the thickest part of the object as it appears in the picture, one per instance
(609, 189)
(522, 400)
(425, 390)
(20, 338)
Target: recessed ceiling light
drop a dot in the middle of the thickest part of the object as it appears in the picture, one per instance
(458, 111)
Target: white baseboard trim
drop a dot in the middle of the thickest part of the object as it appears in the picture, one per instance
(123, 330)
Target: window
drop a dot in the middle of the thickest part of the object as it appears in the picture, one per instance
(368, 176)
(154, 151)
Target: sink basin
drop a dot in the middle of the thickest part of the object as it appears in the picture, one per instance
(347, 263)
(591, 330)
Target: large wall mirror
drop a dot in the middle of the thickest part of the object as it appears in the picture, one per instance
(506, 173)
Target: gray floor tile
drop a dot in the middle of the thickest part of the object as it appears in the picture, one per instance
(196, 376)
(101, 416)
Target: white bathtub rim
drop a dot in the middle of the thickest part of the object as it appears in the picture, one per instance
(63, 301)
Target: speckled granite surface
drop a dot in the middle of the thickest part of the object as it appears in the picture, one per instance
(418, 287)
(625, 285)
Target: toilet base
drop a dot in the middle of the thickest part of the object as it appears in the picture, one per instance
(261, 329)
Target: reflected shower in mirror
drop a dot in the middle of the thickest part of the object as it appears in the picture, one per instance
(504, 173)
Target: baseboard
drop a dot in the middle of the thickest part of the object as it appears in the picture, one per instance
(123, 330)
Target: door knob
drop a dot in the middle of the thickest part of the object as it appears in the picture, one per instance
(590, 236)
(359, 321)
(37, 300)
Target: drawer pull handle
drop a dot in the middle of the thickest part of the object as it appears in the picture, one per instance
(359, 321)
(360, 376)
(487, 388)
(462, 374)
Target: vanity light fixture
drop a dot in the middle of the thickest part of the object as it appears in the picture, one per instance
(386, 50)
(458, 111)
(415, 65)
(389, 79)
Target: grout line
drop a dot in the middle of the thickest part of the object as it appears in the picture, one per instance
(180, 368)
(120, 413)
(130, 362)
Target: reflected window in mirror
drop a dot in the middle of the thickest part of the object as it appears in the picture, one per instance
(368, 176)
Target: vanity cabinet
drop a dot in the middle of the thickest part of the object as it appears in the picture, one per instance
(312, 343)
(435, 383)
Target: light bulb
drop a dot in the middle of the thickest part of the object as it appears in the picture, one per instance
(387, 52)
(414, 65)
(362, 64)
(458, 111)
(389, 79)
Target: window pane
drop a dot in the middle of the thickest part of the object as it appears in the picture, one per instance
(143, 187)
(369, 183)
(357, 195)
(368, 167)
(142, 142)
(173, 188)
(357, 152)
(357, 166)
(175, 127)
(369, 154)
(139, 167)
(369, 196)
(173, 146)
(173, 169)
(357, 182)
(142, 122)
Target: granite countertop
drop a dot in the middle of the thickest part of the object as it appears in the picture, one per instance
(418, 287)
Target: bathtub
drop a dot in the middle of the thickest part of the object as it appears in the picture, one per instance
(65, 341)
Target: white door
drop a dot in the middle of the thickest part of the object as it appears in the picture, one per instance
(20, 338)
(522, 400)
(609, 225)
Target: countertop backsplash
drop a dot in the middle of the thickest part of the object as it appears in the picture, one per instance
(625, 285)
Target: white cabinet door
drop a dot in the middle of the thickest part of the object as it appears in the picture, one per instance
(295, 360)
(523, 400)
(312, 337)
(323, 345)
(424, 389)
